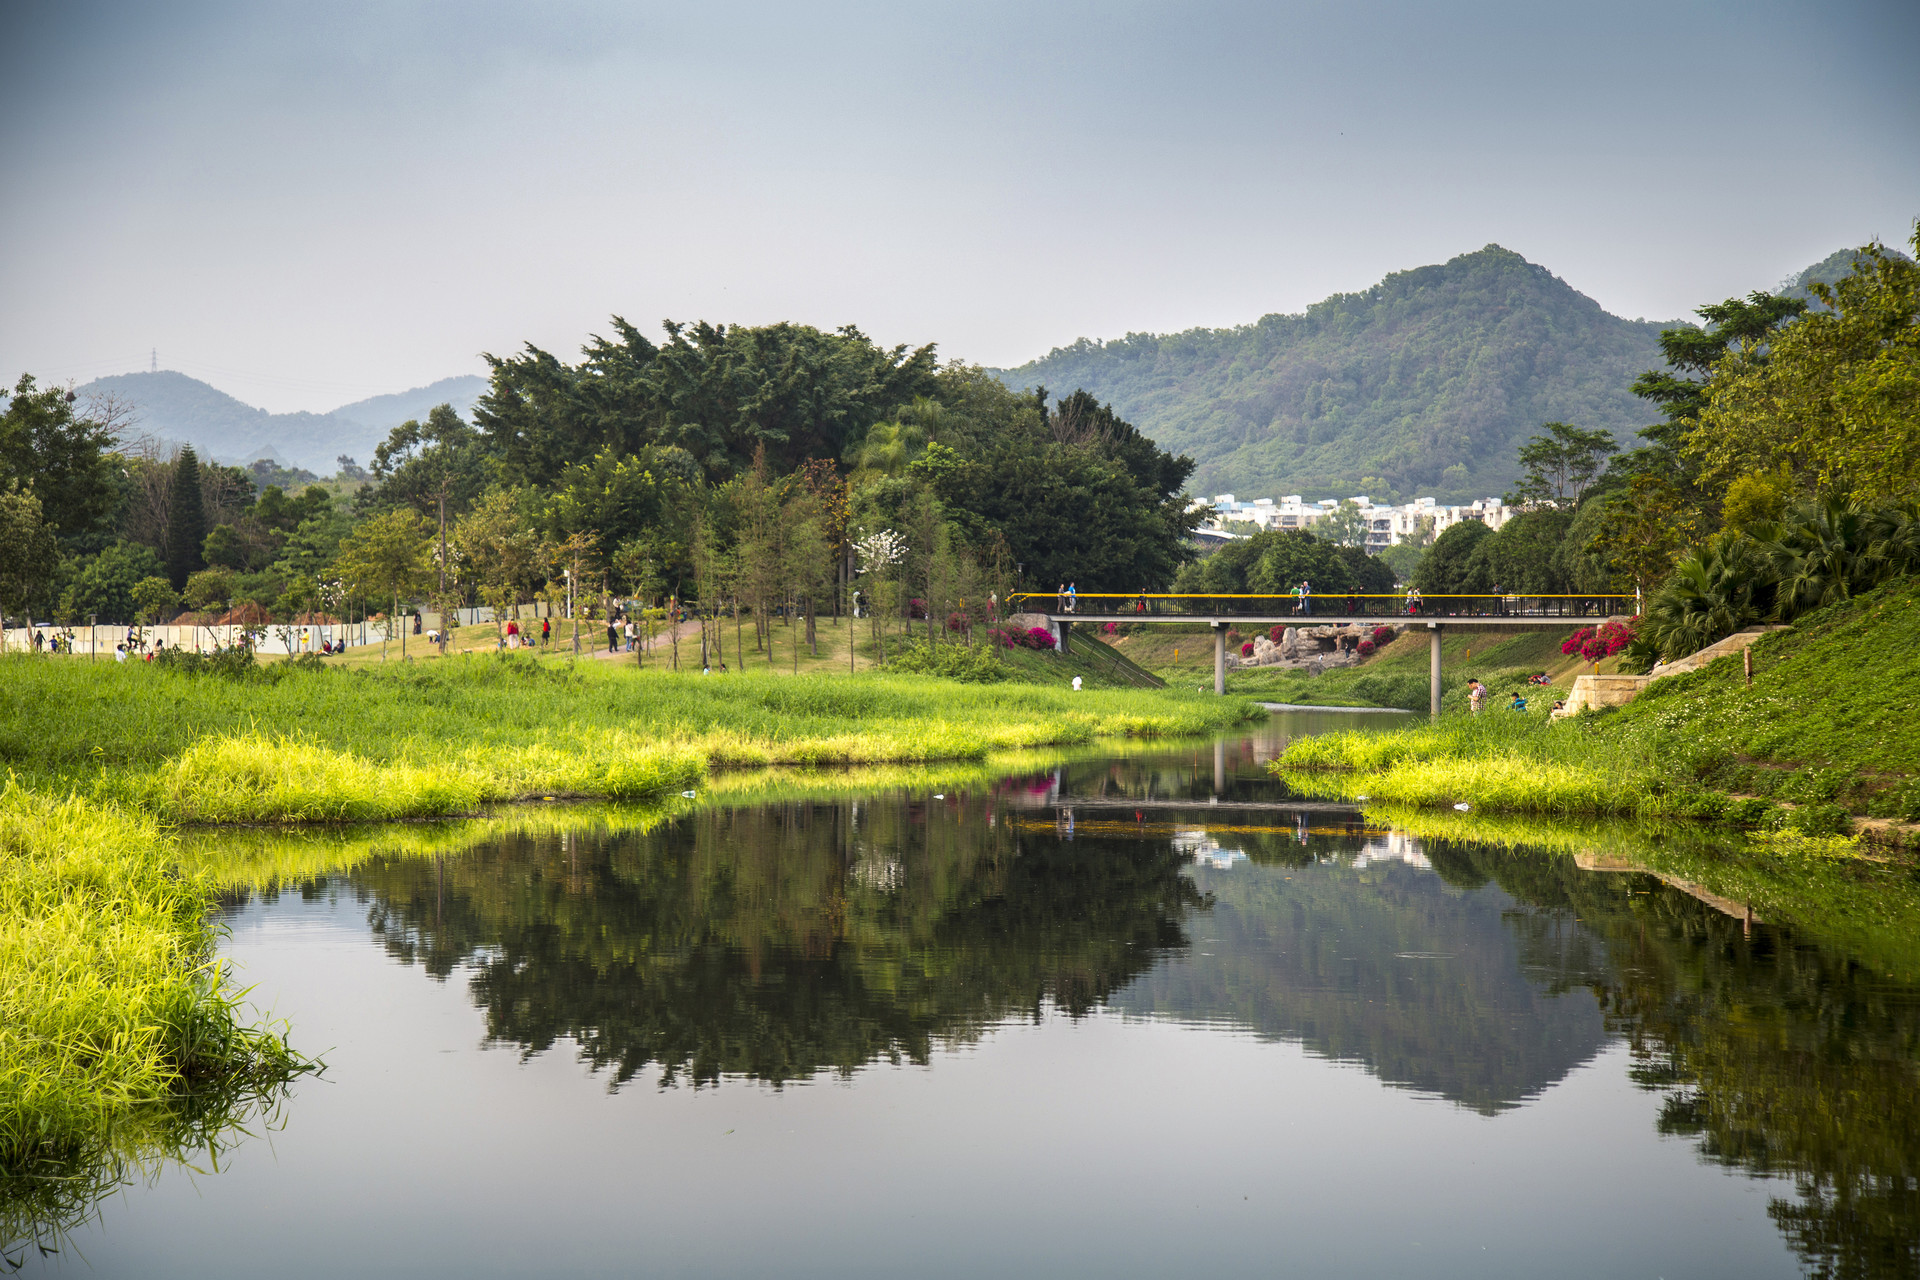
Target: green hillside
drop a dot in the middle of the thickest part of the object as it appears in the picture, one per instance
(1422, 385)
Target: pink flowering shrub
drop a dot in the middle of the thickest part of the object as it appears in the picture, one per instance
(1246, 650)
(1366, 648)
(1039, 638)
(1274, 635)
(1382, 635)
(1111, 628)
(1603, 641)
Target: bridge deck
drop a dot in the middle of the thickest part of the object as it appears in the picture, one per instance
(1561, 622)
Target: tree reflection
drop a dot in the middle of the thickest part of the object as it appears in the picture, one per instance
(1777, 1056)
(777, 942)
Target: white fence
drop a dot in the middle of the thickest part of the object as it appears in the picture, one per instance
(280, 637)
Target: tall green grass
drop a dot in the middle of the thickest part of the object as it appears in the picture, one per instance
(414, 741)
(120, 1037)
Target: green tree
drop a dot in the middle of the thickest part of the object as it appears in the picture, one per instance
(1522, 555)
(1834, 395)
(64, 456)
(1559, 464)
(186, 520)
(32, 552)
(387, 558)
(153, 599)
(209, 590)
(1450, 566)
(1345, 526)
(104, 584)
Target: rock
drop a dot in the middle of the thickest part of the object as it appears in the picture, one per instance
(1027, 621)
(1290, 643)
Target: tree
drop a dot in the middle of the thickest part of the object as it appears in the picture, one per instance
(1642, 531)
(501, 549)
(1449, 567)
(1344, 526)
(1560, 464)
(32, 551)
(209, 590)
(387, 558)
(1521, 556)
(62, 455)
(104, 585)
(1834, 395)
(186, 520)
(153, 599)
(437, 467)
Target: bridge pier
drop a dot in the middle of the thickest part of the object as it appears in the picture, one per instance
(1220, 658)
(1433, 669)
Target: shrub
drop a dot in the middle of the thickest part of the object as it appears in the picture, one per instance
(1381, 635)
(956, 622)
(1274, 635)
(1036, 638)
(1821, 820)
(1111, 628)
(1603, 641)
(1233, 636)
(1040, 638)
(1246, 650)
(1366, 648)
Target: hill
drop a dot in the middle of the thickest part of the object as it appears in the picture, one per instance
(1828, 270)
(1423, 384)
(186, 410)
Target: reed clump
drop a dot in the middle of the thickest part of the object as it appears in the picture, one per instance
(121, 1039)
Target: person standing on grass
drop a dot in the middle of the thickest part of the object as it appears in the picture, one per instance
(613, 636)
(629, 635)
(546, 631)
(1476, 694)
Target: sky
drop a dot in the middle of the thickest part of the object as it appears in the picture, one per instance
(308, 204)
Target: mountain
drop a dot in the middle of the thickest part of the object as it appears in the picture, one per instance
(1828, 270)
(173, 406)
(1423, 385)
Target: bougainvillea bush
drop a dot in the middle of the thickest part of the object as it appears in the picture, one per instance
(1603, 641)
(1381, 635)
(1275, 634)
(1366, 648)
(1246, 650)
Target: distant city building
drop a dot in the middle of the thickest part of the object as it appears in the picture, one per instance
(1386, 525)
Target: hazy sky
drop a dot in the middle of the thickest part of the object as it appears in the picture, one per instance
(309, 203)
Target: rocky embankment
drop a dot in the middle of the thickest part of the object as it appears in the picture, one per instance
(1313, 649)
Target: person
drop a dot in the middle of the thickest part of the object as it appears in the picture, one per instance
(513, 634)
(546, 631)
(1303, 598)
(1519, 703)
(1076, 684)
(120, 653)
(1559, 704)
(1476, 694)
(416, 622)
(1060, 598)
(1413, 600)
(1353, 604)
(629, 635)
(1140, 605)
(1073, 598)
(856, 603)
(613, 636)
(993, 606)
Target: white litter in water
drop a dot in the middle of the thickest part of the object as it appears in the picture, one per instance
(1363, 797)
(941, 796)
(689, 794)
(1463, 807)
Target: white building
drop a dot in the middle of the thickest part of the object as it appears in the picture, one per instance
(1386, 525)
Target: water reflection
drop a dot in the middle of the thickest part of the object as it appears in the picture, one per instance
(816, 936)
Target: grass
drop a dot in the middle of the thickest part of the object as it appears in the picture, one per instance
(120, 1040)
(431, 739)
(1827, 726)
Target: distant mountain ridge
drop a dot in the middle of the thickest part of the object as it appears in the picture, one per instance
(185, 410)
(1424, 384)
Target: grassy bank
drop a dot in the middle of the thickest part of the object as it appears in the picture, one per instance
(424, 740)
(120, 1042)
(1826, 729)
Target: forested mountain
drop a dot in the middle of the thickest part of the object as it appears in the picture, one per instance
(1829, 270)
(1424, 384)
(175, 407)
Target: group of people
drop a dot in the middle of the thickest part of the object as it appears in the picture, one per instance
(1067, 599)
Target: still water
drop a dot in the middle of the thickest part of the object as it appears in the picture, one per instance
(1136, 1015)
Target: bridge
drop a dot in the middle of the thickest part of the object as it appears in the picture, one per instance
(1436, 613)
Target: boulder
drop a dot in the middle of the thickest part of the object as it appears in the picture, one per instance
(1290, 643)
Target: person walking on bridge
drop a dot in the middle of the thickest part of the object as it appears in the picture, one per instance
(1303, 599)
(1073, 598)
(1060, 599)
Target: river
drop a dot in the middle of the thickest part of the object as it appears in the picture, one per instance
(1140, 1013)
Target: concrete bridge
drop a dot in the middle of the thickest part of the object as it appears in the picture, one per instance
(1437, 614)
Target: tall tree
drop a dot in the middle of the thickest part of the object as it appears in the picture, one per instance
(186, 521)
(1561, 463)
(61, 453)
(27, 567)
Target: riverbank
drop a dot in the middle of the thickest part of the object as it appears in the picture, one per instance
(420, 740)
(1823, 738)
